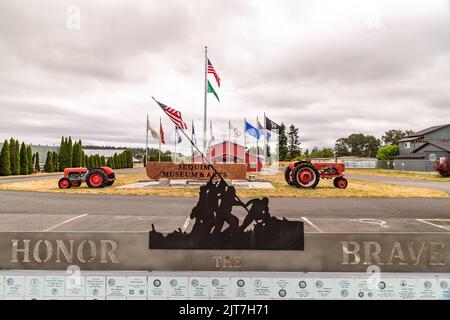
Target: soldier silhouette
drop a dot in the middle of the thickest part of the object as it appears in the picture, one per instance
(259, 212)
(204, 211)
(223, 214)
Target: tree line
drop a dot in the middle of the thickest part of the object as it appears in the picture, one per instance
(18, 159)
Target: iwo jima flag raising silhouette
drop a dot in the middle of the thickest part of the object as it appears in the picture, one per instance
(216, 227)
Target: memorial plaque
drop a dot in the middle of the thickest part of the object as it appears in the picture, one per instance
(406, 288)
(198, 288)
(282, 288)
(219, 288)
(261, 288)
(303, 288)
(344, 288)
(95, 287)
(2, 287)
(54, 287)
(157, 287)
(34, 287)
(324, 288)
(444, 288)
(75, 286)
(365, 288)
(136, 287)
(427, 288)
(178, 288)
(14, 287)
(241, 288)
(116, 288)
(386, 289)
(195, 171)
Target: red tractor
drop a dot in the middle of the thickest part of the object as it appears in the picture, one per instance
(443, 166)
(95, 178)
(304, 174)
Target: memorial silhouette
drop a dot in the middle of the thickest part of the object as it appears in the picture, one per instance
(216, 227)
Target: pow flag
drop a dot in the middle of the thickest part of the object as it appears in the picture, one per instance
(271, 126)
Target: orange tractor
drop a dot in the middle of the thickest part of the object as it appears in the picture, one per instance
(304, 174)
(95, 178)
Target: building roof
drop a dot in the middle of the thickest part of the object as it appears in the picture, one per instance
(411, 156)
(427, 130)
(107, 153)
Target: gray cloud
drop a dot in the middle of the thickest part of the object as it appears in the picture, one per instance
(331, 68)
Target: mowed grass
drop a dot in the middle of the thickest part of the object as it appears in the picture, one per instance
(356, 188)
(399, 174)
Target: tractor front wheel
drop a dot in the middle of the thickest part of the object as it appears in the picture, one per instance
(305, 175)
(340, 183)
(96, 178)
(64, 183)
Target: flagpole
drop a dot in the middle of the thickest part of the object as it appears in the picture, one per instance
(192, 137)
(229, 138)
(175, 143)
(160, 137)
(146, 144)
(205, 98)
(267, 142)
(245, 143)
(257, 147)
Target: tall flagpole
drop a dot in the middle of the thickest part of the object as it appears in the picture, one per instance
(146, 144)
(229, 146)
(257, 147)
(192, 138)
(175, 143)
(245, 143)
(160, 137)
(267, 142)
(206, 94)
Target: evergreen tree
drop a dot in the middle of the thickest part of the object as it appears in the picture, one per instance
(283, 149)
(293, 142)
(102, 161)
(62, 148)
(23, 159)
(91, 162)
(48, 167)
(37, 165)
(70, 153)
(307, 155)
(5, 160)
(14, 157)
(86, 161)
(30, 160)
(108, 162)
(55, 161)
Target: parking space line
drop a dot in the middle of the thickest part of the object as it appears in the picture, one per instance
(312, 224)
(427, 221)
(64, 222)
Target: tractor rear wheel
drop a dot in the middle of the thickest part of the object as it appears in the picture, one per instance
(64, 183)
(305, 175)
(96, 178)
(111, 179)
(340, 182)
(287, 175)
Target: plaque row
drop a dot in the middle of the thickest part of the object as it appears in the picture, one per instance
(40, 286)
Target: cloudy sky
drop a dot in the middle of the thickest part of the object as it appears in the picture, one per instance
(89, 68)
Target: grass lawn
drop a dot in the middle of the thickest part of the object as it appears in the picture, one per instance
(356, 188)
(399, 174)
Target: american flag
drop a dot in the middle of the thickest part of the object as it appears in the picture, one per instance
(173, 114)
(213, 71)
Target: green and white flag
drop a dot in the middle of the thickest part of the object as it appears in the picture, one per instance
(211, 90)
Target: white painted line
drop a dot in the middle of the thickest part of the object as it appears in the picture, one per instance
(312, 224)
(186, 224)
(64, 222)
(435, 225)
